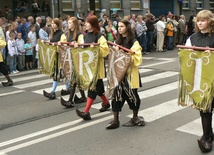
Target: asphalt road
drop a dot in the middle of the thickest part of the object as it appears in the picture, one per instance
(33, 125)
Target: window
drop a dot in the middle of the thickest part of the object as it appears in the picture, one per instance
(135, 4)
(212, 4)
(115, 4)
(97, 4)
(185, 4)
(68, 5)
(199, 4)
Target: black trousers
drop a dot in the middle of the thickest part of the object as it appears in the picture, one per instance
(117, 105)
(4, 69)
(99, 90)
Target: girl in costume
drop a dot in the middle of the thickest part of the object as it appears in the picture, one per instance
(94, 36)
(56, 35)
(74, 35)
(204, 37)
(131, 81)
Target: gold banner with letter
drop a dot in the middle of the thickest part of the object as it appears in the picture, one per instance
(196, 80)
(47, 57)
(118, 65)
(65, 61)
(85, 61)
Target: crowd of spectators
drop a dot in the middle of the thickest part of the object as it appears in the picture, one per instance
(154, 34)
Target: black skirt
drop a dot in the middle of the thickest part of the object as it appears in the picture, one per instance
(4, 69)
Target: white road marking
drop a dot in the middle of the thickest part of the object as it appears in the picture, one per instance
(13, 92)
(193, 127)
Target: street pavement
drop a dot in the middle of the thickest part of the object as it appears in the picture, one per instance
(30, 124)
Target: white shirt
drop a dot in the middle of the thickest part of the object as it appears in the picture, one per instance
(160, 26)
(32, 36)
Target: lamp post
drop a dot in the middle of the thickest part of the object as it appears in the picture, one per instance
(180, 6)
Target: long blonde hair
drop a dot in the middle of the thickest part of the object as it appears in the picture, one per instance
(207, 15)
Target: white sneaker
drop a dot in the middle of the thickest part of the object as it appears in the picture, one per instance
(16, 71)
(13, 72)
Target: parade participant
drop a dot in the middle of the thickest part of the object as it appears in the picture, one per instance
(3, 68)
(204, 37)
(126, 38)
(94, 36)
(55, 36)
(74, 35)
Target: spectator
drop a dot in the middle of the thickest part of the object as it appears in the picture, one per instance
(160, 34)
(182, 26)
(175, 36)
(21, 52)
(32, 36)
(43, 35)
(36, 8)
(45, 8)
(13, 52)
(111, 32)
(37, 25)
(141, 33)
(29, 54)
(170, 32)
(22, 29)
(190, 26)
(150, 30)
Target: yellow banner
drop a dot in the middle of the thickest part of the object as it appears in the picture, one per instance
(47, 58)
(196, 81)
(85, 61)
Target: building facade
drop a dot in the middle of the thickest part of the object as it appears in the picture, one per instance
(123, 7)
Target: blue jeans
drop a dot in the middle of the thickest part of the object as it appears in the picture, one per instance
(13, 63)
(170, 42)
(149, 40)
(143, 42)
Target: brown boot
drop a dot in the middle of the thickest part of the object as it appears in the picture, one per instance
(83, 115)
(67, 104)
(205, 145)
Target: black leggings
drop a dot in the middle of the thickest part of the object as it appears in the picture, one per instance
(99, 90)
(117, 105)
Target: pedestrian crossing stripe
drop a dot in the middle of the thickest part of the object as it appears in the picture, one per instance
(193, 127)
(47, 81)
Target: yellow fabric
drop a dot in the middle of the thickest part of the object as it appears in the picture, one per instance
(104, 51)
(80, 39)
(47, 57)
(136, 61)
(2, 43)
(196, 81)
(85, 69)
(63, 38)
(170, 30)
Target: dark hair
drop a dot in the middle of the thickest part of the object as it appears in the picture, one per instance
(130, 35)
(93, 20)
(43, 23)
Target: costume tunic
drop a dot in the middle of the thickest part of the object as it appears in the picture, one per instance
(104, 51)
(131, 96)
(57, 36)
(199, 39)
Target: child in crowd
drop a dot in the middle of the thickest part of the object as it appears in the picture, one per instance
(28, 54)
(32, 36)
(13, 52)
(21, 51)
